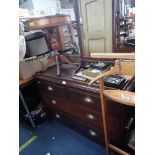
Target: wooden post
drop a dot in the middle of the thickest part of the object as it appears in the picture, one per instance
(103, 106)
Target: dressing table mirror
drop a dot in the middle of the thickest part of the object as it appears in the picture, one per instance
(106, 28)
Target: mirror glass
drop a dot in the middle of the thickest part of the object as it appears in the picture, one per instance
(95, 26)
(107, 26)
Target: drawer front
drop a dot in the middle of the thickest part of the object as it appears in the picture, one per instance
(78, 112)
(87, 116)
(52, 89)
(86, 130)
(86, 99)
(89, 131)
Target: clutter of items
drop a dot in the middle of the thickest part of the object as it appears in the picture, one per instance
(41, 45)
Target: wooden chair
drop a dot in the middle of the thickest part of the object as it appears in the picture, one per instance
(119, 96)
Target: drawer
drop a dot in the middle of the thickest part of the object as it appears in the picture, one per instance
(86, 130)
(52, 89)
(78, 112)
(86, 99)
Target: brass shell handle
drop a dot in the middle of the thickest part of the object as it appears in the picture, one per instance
(88, 99)
(50, 88)
(92, 133)
(64, 82)
(53, 101)
(57, 115)
(91, 117)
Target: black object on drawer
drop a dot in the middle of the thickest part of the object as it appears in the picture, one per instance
(115, 81)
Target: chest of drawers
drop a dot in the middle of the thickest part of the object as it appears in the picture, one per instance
(78, 106)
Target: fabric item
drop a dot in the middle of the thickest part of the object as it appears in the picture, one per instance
(22, 47)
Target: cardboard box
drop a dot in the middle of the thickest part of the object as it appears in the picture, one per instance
(29, 66)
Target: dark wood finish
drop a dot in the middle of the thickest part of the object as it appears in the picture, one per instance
(79, 29)
(83, 128)
(78, 112)
(86, 99)
(118, 48)
(68, 96)
(51, 89)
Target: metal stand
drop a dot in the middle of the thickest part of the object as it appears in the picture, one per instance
(26, 108)
(57, 63)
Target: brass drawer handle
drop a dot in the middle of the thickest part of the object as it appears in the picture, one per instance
(57, 115)
(90, 116)
(50, 88)
(64, 82)
(92, 133)
(53, 101)
(88, 99)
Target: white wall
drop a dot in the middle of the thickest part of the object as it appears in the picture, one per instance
(27, 5)
(48, 6)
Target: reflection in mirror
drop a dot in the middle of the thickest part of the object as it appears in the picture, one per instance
(56, 19)
(106, 26)
(125, 26)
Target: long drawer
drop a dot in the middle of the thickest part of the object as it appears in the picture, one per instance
(78, 112)
(84, 129)
(85, 98)
(87, 130)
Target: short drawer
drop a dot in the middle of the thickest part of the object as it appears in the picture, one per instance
(86, 99)
(79, 112)
(52, 89)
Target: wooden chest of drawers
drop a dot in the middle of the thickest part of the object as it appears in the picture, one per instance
(77, 105)
(82, 107)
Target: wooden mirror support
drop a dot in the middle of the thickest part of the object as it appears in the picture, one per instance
(121, 97)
